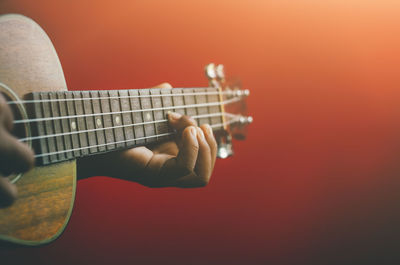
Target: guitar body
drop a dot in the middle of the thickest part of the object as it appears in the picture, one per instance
(28, 63)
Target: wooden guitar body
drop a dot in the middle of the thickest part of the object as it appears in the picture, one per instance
(28, 62)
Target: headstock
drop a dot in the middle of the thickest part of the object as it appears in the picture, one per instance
(234, 109)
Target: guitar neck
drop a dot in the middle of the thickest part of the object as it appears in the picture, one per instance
(71, 124)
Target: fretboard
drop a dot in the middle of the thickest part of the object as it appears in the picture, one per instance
(72, 124)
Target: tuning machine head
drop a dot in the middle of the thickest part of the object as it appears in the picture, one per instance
(215, 74)
(232, 107)
(224, 143)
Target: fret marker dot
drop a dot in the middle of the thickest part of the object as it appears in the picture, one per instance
(117, 120)
(98, 122)
(148, 116)
(73, 125)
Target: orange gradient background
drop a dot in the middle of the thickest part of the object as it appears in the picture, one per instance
(318, 179)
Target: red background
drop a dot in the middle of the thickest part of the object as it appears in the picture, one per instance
(317, 181)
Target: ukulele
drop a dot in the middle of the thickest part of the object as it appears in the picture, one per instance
(61, 126)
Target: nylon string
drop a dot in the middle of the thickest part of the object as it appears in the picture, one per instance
(113, 127)
(118, 97)
(229, 101)
(125, 141)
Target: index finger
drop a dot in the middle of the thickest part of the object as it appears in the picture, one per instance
(179, 122)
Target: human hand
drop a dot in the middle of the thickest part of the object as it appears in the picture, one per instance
(15, 157)
(186, 162)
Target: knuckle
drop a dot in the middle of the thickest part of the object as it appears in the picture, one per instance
(202, 182)
(188, 129)
(189, 120)
(193, 121)
(208, 131)
(194, 147)
(185, 170)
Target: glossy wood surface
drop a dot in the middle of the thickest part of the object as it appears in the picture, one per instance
(28, 62)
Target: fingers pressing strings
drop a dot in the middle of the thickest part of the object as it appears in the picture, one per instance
(193, 165)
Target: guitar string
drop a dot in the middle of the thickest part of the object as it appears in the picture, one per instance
(124, 141)
(119, 126)
(226, 102)
(117, 97)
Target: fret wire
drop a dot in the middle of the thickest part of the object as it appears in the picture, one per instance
(43, 146)
(98, 120)
(106, 108)
(77, 99)
(229, 101)
(184, 103)
(51, 145)
(166, 102)
(152, 136)
(189, 100)
(137, 117)
(145, 103)
(56, 125)
(71, 122)
(116, 117)
(177, 100)
(89, 121)
(208, 107)
(196, 109)
(203, 109)
(64, 125)
(157, 102)
(120, 126)
(83, 138)
(153, 113)
(126, 117)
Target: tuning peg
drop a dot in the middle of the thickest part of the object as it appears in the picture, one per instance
(211, 72)
(220, 72)
(246, 120)
(215, 75)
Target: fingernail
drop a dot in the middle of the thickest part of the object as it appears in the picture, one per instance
(193, 131)
(200, 132)
(209, 129)
(174, 115)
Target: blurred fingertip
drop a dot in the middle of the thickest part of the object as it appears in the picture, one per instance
(207, 129)
(191, 132)
(200, 133)
(164, 85)
(174, 116)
